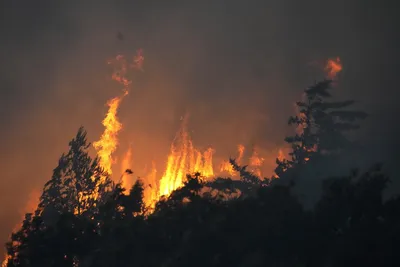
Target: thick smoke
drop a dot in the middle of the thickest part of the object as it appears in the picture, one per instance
(236, 67)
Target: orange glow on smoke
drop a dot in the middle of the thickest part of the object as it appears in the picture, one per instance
(30, 207)
(184, 158)
(333, 67)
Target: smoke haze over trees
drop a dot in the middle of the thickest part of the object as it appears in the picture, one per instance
(240, 67)
(84, 219)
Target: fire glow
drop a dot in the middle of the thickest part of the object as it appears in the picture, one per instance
(184, 158)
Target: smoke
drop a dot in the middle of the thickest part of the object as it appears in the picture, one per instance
(237, 68)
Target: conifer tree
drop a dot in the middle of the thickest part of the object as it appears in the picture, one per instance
(78, 184)
(321, 126)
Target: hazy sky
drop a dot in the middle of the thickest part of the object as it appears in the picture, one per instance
(236, 66)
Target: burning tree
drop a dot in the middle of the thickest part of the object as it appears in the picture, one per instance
(320, 126)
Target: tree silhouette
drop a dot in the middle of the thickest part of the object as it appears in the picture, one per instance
(78, 184)
(320, 125)
(69, 201)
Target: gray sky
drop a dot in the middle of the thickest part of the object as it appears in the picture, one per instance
(236, 66)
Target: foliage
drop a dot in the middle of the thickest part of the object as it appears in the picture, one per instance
(78, 184)
(350, 225)
(320, 127)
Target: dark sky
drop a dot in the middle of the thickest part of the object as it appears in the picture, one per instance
(236, 66)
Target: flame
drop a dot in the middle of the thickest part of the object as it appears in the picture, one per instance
(333, 67)
(6, 259)
(126, 164)
(150, 189)
(226, 166)
(108, 142)
(256, 162)
(281, 155)
(184, 159)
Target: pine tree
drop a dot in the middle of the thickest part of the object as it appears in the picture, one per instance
(321, 126)
(78, 184)
(59, 230)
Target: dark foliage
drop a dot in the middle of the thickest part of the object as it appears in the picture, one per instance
(321, 126)
(351, 225)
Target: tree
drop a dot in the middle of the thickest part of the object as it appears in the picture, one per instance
(78, 185)
(352, 223)
(121, 221)
(321, 126)
(58, 233)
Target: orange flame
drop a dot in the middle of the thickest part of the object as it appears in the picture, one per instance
(281, 155)
(226, 166)
(150, 190)
(6, 259)
(184, 159)
(126, 164)
(333, 67)
(256, 162)
(108, 142)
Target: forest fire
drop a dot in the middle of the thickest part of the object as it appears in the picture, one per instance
(184, 158)
(108, 142)
(227, 167)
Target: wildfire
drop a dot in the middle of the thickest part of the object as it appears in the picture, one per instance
(281, 155)
(126, 165)
(108, 142)
(184, 159)
(6, 259)
(256, 162)
(150, 192)
(227, 167)
(333, 67)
